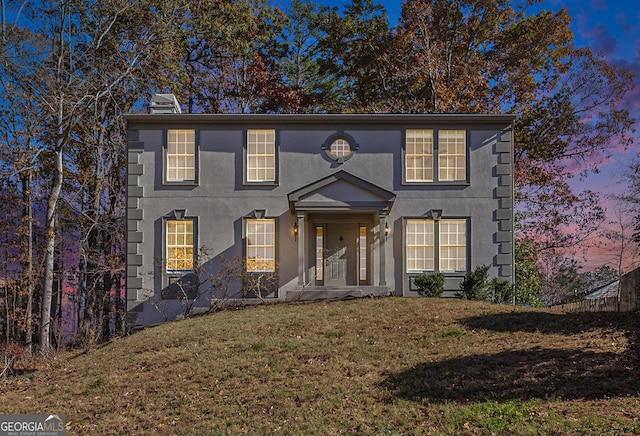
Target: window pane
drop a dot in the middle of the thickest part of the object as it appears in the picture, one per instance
(261, 155)
(181, 155)
(419, 245)
(319, 254)
(340, 148)
(180, 245)
(452, 155)
(453, 245)
(419, 156)
(362, 248)
(260, 245)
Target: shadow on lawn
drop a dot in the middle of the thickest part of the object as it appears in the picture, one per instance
(563, 373)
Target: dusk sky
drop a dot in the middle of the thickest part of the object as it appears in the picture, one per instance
(611, 28)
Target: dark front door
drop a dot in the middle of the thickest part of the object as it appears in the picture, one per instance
(340, 259)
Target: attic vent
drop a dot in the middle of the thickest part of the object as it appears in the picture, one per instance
(164, 104)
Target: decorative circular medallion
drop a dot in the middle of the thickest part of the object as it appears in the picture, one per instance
(340, 147)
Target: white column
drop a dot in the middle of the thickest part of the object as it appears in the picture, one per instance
(301, 250)
(382, 239)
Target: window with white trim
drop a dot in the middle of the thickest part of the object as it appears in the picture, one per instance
(430, 243)
(181, 155)
(261, 156)
(180, 245)
(420, 245)
(319, 253)
(362, 254)
(419, 156)
(340, 147)
(453, 245)
(435, 156)
(261, 245)
(452, 155)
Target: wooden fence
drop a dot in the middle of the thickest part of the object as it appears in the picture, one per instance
(605, 304)
(628, 299)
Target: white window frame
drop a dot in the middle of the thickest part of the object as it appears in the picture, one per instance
(419, 148)
(260, 246)
(452, 155)
(261, 160)
(363, 258)
(441, 249)
(453, 238)
(180, 239)
(319, 253)
(420, 245)
(433, 156)
(181, 156)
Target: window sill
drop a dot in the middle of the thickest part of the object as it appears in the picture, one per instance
(452, 183)
(183, 183)
(267, 183)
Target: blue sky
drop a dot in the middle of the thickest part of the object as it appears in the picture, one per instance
(611, 28)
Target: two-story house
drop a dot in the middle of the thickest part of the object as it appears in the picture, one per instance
(340, 205)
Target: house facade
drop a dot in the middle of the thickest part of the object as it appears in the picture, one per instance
(325, 206)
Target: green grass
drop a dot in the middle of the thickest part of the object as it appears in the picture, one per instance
(387, 366)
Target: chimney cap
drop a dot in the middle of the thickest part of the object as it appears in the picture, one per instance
(164, 104)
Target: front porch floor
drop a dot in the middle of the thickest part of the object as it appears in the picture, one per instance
(335, 292)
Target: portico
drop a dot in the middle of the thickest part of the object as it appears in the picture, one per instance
(342, 233)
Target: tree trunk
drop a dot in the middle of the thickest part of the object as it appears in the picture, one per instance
(50, 244)
(29, 264)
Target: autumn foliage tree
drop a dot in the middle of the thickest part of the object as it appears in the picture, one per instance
(70, 69)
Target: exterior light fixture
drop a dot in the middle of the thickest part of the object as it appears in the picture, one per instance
(295, 231)
(386, 231)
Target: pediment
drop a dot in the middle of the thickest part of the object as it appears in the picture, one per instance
(341, 191)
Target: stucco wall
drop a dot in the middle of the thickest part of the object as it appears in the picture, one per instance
(221, 200)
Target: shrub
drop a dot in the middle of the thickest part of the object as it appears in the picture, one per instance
(430, 284)
(474, 285)
(501, 291)
(9, 353)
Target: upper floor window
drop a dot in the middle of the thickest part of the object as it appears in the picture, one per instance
(419, 156)
(435, 156)
(261, 245)
(181, 155)
(261, 156)
(452, 155)
(436, 245)
(339, 147)
(180, 245)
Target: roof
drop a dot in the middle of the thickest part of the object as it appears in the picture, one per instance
(610, 290)
(320, 118)
(337, 192)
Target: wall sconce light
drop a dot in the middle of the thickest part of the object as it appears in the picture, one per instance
(295, 231)
(386, 231)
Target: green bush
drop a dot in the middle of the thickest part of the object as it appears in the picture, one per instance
(501, 291)
(430, 284)
(476, 286)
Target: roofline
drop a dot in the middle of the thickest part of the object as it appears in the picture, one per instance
(319, 118)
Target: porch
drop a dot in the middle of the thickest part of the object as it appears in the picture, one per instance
(341, 231)
(335, 292)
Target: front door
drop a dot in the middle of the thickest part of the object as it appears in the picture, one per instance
(340, 260)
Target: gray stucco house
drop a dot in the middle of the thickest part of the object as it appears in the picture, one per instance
(340, 205)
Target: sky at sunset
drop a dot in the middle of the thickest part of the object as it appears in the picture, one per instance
(611, 28)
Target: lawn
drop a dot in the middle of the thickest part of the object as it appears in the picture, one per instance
(369, 366)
